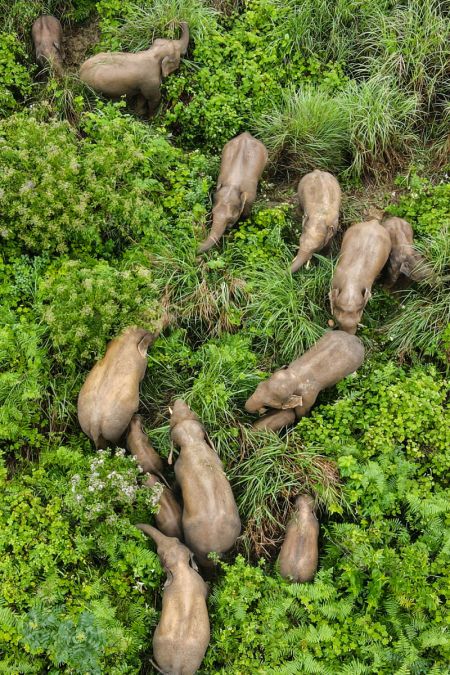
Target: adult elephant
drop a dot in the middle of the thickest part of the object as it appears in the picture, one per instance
(137, 75)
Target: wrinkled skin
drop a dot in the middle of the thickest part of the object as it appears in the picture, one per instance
(299, 554)
(291, 392)
(182, 635)
(47, 36)
(243, 161)
(210, 517)
(168, 518)
(110, 395)
(137, 76)
(319, 197)
(364, 252)
(140, 447)
(403, 259)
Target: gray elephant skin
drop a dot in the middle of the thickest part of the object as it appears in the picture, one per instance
(299, 554)
(319, 196)
(110, 395)
(243, 161)
(140, 447)
(137, 76)
(291, 392)
(47, 36)
(168, 518)
(182, 635)
(364, 252)
(403, 258)
(210, 519)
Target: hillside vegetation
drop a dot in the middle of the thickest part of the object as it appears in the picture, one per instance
(101, 217)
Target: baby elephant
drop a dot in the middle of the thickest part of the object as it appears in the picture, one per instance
(137, 76)
(140, 447)
(47, 39)
(210, 516)
(299, 553)
(243, 161)
(292, 391)
(403, 259)
(168, 518)
(182, 636)
(319, 195)
(110, 395)
(364, 252)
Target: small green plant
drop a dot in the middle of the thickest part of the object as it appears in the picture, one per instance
(15, 73)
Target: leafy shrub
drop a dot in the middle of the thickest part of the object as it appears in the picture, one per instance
(119, 184)
(85, 305)
(73, 567)
(426, 207)
(15, 79)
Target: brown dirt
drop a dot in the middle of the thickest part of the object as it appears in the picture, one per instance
(78, 43)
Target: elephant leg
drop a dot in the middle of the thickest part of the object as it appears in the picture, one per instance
(140, 106)
(153, 104)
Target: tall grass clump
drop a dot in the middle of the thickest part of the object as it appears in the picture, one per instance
(307, 130)
(285, 312)
(382, 120)
(423, 322)
(147, 21)
(411, 43)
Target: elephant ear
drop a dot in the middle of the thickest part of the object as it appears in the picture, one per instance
(292, 402)
(244, 197)
(169, 64)
(366, 295)
(333, 295)
(192, 561)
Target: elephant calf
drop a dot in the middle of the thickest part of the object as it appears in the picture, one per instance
(110, 395)
(299, 553)
(403, 259)
(168, 518)
(292, 391)
(243, 161)
(137, 76)
(47, 36)
(182, 635)
(319, 195)
(210, 517)
(139, 446)
(364, 252)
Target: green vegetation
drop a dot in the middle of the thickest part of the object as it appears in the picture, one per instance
(101, 215)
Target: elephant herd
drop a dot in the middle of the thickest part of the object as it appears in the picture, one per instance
(206, 521)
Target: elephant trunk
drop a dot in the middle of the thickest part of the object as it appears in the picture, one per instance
(300, 259)
(215, 234)
(157, 536)
(183, 42)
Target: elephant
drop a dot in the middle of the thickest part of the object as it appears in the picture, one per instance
(291, 392)
(319, 195)
(138, 75)
(243, 161)
(403, 259)
(364, 252)
(109, 397)
(210, 519)
(299, 554)
(182, 635)
(47, 36)
(168, 518)
(139, 446)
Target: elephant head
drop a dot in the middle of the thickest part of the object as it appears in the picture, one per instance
(347, 307)
(185, 427)
(170, 51)
(277, 392)
(229, 202)
(170, 550)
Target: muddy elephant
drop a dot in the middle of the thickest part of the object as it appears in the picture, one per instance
(47, 36)
(299, 554)
(182, 635)
(210, 520)
(403, 260)
(243, 161)
(319, 197)
(291, 392)
(110, 395)
(137, 76)
(364, 252)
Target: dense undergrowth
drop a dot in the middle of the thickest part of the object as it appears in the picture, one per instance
(101, 215)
